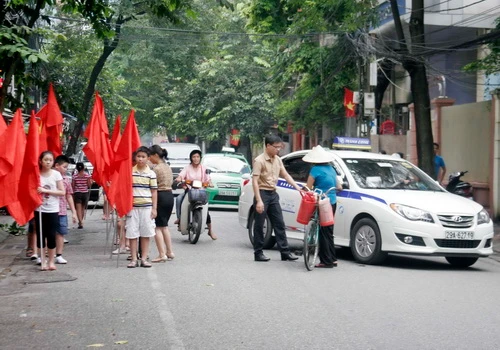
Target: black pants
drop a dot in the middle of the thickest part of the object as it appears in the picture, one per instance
(50, 222)
(326, 252)
(272, 209)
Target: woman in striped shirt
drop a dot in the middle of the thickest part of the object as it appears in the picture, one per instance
(81, 184)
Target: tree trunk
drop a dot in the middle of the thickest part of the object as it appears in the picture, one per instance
(108, 49)
(414, 63)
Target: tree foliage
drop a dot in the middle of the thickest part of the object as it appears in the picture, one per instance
(311, 68)
(491, 63)
(19, 33)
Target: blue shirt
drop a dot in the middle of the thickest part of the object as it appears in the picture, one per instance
(325, 177)
(438, 163)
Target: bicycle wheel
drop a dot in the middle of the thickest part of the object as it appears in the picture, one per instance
(311, 243)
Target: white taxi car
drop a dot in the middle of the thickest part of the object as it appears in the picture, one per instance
(387, 205)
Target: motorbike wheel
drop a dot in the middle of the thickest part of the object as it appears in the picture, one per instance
(196, 225)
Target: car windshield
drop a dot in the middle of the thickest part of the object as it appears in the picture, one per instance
(389, 174)
(226, 165)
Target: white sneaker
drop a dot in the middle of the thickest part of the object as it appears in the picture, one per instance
(60, 260)
(66, 241)
(34, 257)
(119, 251)
(38, 261)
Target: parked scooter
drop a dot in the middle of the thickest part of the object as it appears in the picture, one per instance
(457, 186)
(194, 210)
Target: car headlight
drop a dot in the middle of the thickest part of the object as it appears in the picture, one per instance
(410, 213)
(483, 217)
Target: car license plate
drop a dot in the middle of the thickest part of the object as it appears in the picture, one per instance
(459, 235)
(228, 193)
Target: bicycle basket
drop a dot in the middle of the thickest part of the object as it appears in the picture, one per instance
(198, 196)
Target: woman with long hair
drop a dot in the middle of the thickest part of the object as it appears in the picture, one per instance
(164, 178)
(47, 214)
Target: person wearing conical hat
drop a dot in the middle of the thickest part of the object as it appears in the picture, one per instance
(323, 177)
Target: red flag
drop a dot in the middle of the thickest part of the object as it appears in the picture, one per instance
(116, 135)
(12, 158)
(28, 197)
(3, 125)
(136, 139)
(120, 192)
(349, 103)
(234, 139)
(52, 120)
(98, 148)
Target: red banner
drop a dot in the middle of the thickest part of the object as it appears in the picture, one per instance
(349, 103)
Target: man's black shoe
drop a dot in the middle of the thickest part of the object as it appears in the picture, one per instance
(261, 257)
(288, 256)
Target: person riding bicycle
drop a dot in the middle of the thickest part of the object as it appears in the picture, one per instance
(192, 172)
(323, 176)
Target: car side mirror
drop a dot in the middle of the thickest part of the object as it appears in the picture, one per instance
(246, 176)
(345, 185)
(208, 171)
(72, 160)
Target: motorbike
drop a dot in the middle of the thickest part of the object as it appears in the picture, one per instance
(459, 187)
(194, 210)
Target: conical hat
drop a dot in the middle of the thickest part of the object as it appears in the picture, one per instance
(317, 155)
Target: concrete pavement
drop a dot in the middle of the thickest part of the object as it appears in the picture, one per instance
(13, 247)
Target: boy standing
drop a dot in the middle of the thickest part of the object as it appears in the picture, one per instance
(61, 165)
(140, 221)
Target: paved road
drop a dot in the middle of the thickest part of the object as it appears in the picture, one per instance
(214, 296)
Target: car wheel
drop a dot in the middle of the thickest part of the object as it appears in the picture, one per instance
(366, 244)
(460, 261)
(269, 239)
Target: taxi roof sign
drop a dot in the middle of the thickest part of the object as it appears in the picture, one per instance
(354, 143)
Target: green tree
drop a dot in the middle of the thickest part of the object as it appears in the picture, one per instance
(491, 63)
(124, 12)
(19, 29)
(315, 60)
(202, 77)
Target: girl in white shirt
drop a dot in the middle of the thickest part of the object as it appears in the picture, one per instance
(51, 187)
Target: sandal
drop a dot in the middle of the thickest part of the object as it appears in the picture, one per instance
(160, 259)
(170, 256)
(132, 264)
(29, 252)
(212, 235)
(145, 263)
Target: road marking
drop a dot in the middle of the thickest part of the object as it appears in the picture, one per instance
(173, 338)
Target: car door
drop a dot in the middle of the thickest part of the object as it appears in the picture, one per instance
(289, 197)
(341, 233)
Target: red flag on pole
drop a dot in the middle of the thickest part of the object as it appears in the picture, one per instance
(98, 148)
(120, 192)
(234, 139)
(3, 125)
(116, 135)
(28, 197)
(349, 103)
(12, 159)
(51, 121)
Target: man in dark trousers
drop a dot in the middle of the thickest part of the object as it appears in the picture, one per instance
(267, 168)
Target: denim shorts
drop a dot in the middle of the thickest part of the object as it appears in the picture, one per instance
(62, 228)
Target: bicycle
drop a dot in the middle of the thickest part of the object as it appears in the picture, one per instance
(311, 234)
